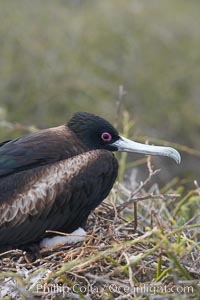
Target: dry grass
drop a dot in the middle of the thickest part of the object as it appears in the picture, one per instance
(155, 257)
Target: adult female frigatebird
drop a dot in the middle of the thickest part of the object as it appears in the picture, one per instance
(52, 179)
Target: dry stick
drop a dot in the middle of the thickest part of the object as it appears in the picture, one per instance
(121, 94)
(13, 251)
(134, 200)
(151, 173)
(129, 268)
(149, 164)
(135, 217)
(131, 198)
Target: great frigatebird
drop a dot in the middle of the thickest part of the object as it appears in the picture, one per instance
(52, 179)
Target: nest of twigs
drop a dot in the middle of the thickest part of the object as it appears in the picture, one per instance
(134, 248)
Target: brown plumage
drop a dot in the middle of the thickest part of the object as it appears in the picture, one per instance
(54, 178)
(50, 196)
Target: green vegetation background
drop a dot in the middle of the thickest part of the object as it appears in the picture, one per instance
(58, 57)
(62, 56)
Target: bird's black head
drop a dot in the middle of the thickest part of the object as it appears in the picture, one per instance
(93, 131)
(97, 133)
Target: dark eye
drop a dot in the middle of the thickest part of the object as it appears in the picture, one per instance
(106, 137)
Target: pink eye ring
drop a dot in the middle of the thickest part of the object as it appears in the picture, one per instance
(106, 137)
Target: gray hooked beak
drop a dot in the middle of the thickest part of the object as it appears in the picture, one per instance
(125, 145)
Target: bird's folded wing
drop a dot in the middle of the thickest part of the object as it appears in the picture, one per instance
(56, 196)
(34, 149)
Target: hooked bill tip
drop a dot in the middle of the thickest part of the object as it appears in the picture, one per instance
(175, 155)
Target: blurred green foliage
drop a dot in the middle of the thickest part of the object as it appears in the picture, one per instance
(57, 57)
